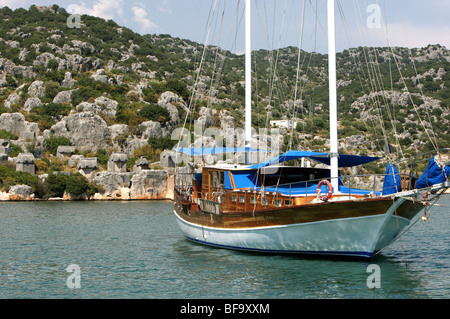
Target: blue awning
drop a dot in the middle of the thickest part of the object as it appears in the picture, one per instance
(433, 174)
(324, 158)
(246, 179)
(392, 181)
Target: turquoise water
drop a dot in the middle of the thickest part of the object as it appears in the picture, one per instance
(135, 250)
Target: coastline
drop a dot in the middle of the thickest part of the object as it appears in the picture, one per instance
(144, 185)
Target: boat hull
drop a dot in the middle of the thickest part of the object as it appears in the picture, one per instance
(343, 235)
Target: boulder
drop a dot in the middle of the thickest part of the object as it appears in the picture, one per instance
(68, 82)
(43, 59)
(63, 97)
(115, 185)
(31, 103)
(100, 75)
(15, 123)
(36, 89)
(151, 184)
(20, 192)
(86, 131)
(14, 98)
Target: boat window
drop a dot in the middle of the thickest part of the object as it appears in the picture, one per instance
(278, 202)
(234, 198)
(241, 199)
(264, 201)
(287, 202)
(252, 199)
(216, 180)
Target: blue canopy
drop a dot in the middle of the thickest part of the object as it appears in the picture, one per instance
(433, 174)
(324, 158)
(392, 181)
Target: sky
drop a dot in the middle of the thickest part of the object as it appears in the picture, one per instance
(275, 23)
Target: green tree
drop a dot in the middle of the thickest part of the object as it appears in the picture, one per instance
(56, 184)
(77, 184)
(154, 112)
(51, 144)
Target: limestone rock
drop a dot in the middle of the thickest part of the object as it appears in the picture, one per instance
(36, 89)
(68, 82)
(14, 98)
(113, 185)
(100, 75)
(15, 123)
(151, 184)
(86, 131)
(63, 97)
(20, 192)
(31, 103)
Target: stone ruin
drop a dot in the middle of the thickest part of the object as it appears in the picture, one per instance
(87, 167)
(118, 163)
(65, 151)
(25, 162)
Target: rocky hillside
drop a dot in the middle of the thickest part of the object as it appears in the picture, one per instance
(104, 89)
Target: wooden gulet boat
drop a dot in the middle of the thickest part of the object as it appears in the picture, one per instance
(241, 208)
(301, 209)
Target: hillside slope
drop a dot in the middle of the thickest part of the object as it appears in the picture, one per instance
(103, 88)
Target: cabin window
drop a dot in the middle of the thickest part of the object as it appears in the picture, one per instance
(234, 198)
(217, 179)
(287, 202)
(264, 201)
(241, 199)
(278, 202)
(252, 199)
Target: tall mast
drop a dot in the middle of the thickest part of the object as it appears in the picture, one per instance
(248, 79)
(333, 97)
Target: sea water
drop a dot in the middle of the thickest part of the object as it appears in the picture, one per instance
(135, 250)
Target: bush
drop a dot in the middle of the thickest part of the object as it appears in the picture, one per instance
(56, 184)
(154, 112)
(51, 144)
(5, 135)
(162, 143)
(77, 185)
(10, 177)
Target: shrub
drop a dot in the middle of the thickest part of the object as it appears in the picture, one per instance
(154, 112)
(162, 143)
(51, 144)
(5, 135)
(56, 184)
(77, 184)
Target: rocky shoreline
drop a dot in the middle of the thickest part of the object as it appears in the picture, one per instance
(145, 185)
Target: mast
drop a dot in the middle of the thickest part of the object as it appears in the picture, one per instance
(248, 81)
(334, 152)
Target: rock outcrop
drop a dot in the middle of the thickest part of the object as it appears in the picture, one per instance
(86, 131)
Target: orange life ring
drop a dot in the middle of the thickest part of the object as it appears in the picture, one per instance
(330, 190)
